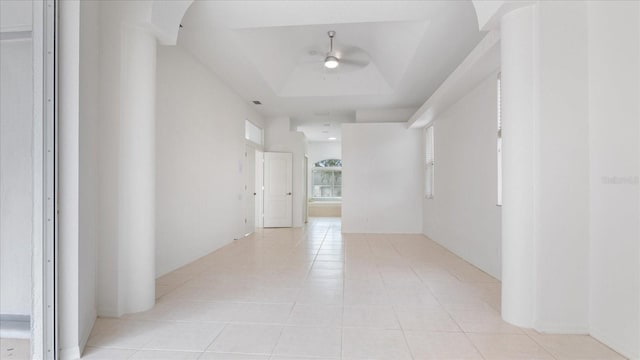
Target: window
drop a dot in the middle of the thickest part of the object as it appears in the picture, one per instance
(329, 163)
(252, 132)
(499, 141)
(430, 163)
(326, 180)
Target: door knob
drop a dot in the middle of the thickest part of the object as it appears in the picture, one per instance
(288, 193)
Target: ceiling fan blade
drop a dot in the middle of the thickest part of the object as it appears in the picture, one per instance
(311, 61)
(351, 51)
(354, 52)
(358, 63)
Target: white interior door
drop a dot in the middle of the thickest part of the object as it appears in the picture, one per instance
(259, 189)
(249, 190)
(278, 189)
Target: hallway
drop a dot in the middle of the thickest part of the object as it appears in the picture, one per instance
(313, 292)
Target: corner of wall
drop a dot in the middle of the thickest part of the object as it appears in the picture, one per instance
(71, 353)
(85, 332)
(614, 343)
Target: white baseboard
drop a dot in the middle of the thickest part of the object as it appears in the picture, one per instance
(85, 335)
(559, 328)
(108, 312)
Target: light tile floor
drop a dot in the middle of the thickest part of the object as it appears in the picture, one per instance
(316, 293)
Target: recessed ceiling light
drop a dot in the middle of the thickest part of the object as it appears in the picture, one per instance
(257, 102)
(332, 138)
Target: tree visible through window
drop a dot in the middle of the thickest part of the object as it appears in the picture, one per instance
(326, 180)
(329, 163)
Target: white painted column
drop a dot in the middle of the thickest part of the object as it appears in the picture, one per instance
(129, 33)
(519, 105)
(136, 169)
(68, 133)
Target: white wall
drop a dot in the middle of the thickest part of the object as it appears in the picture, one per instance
(68, 131)
(562, 169)
(382, 178)
(88, 176)
(110, 58)
(278, 137)
(200, 147)
(578, 89)
(16, 169)
(614, 100)
(546, 167)
(466, 180)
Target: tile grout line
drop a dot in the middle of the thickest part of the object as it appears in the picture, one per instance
(255, 264)
(404, 334)
(344, 279)
(541, 346)
(448, 313)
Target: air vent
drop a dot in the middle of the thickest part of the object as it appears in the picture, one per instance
(327, 124)
(257, 102)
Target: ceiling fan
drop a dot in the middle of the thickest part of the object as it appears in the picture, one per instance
(331, 61)
(345, 59)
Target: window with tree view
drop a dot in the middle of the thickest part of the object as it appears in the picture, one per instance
(326, 180)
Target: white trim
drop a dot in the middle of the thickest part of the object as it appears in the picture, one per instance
(560, 328)
(18, 28)
(37, 260)
(43, 314)
(612, 343)
(50, 49)
(326, 168)
(16, 35)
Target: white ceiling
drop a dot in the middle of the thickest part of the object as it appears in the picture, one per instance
(273, 51)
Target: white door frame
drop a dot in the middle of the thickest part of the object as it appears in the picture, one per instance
(259, 205)
(250, 193)
(305, 200)
(44, 331)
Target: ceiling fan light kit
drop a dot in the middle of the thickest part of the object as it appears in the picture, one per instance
(331, 61)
